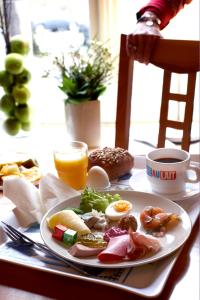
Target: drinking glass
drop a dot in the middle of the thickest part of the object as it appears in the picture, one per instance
(71, 162)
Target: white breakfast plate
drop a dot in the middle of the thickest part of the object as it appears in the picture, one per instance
(139, 182)
(169, 243)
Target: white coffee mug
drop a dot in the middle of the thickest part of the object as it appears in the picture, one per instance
(168, 170)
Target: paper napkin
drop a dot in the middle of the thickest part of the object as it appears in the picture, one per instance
(53, 191)
(32, 202)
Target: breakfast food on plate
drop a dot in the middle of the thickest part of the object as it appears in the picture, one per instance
(115, 161)
(33, 174)
(91, 199)
(80, 250)
(104, 226)
(141, 245)
(69, 219)
(62, 233)
(128, 223)
(26, 168)
(95, 220)
(112, 232)
(118, 209)
(129, 246)
(19, 158)
(116, 249)
(157, 221)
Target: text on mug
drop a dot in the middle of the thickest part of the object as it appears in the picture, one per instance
(162, 175)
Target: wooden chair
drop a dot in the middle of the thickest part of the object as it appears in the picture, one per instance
(173, 56)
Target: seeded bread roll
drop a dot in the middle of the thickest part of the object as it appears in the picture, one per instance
(115, 161)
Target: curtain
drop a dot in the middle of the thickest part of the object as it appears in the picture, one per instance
(104, 22)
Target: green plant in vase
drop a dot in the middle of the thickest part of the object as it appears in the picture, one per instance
(85, 75)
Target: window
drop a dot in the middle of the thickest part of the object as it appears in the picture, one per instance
(57, 26)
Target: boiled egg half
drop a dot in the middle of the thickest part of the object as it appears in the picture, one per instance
(118, 209)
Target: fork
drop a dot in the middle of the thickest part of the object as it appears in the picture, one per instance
(21, 239)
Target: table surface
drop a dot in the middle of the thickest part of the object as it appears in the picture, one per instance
(18, 282)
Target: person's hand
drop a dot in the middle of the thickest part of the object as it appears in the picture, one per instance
(141, 42)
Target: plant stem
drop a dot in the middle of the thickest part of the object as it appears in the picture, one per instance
(5, 12)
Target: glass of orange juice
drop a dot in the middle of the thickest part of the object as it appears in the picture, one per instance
(71, 162)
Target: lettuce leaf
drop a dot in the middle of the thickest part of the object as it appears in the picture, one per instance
(91, 199)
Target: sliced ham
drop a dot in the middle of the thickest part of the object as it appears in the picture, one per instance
(135, 251)
(116, 249)
(147, 240)
(129, 247)
(142, 244)
(80, 250)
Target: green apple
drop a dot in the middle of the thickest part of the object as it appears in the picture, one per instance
(23, 113)
(7, 104)
(21, 93)
(6, 79)
(24, 77)
(18, 44)
(26, 126)
(7, 89)
(12, 126)
(14, 63)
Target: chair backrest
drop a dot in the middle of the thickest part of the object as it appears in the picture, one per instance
(173, 56)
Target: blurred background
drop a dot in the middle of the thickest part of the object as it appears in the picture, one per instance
(57, 26)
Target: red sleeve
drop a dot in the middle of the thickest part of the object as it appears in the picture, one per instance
(164, 9)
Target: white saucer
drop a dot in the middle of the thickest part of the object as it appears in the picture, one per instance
(139, 182)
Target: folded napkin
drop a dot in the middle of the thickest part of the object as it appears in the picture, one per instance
(32, 203)
(53, 191)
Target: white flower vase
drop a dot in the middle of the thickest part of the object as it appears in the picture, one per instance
(83, 122)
